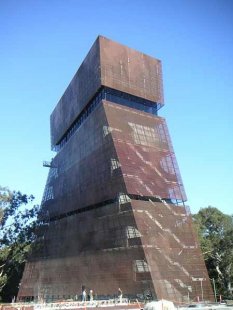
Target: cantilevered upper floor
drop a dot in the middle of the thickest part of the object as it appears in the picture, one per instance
(121, 72)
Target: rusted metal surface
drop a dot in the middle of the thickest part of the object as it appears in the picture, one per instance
(113, 212)
(172, 252)
(80, 90)
(130, 71)
(145, 153)
(107, 64)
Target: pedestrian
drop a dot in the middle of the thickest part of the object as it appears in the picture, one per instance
(120, 295)
(91, 295)
(84, 295)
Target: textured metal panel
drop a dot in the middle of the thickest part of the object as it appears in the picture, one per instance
(81, 248)
(82, 167)
(81, 89)
(130, 71)
(145, 153)
(172, 251)
(107, 64)
(101, 249)
(88, 249)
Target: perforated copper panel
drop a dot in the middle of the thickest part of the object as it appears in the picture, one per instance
(87, 249)
(82, 172)
(130, 71)
(81, 89)
(107, 64)
(150, 244)
(145, 153)
(172, 252)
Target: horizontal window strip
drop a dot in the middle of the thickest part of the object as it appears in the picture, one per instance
(114, 96)
(81, 210)
(103, 204)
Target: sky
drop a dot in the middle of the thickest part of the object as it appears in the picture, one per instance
(43, 42)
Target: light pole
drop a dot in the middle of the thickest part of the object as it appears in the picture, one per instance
(215, 295)
(201, 279)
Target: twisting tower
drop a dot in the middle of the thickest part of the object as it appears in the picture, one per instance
(113, 209)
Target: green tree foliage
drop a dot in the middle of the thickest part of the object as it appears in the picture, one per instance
(17, 227)
(215, 231)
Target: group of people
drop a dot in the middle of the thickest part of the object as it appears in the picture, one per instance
(85, 297)
(90, 296)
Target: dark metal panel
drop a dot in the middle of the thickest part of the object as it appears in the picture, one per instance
(84, 166)
(88, 249)
(81, 89)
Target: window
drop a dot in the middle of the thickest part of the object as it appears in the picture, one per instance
(144, 135)
(123, 198)
(141, 266)
(106, 130)
(114, 164)
(167, 164)
(132, 232)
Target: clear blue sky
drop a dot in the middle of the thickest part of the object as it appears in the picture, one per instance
(43, 42)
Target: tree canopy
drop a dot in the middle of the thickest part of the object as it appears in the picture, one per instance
(215, 232)
(17, 223)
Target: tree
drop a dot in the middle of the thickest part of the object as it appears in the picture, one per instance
(215, 231)
(5, 196)
(17, 223)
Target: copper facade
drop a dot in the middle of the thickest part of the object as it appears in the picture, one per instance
(113, 212)
(107, 64)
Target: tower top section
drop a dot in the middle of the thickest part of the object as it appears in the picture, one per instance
(112, 65)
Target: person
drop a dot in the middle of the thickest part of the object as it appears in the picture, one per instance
(91, 295)
(120, 294)
(84, 295)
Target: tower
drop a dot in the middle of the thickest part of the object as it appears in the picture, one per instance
(113, 212)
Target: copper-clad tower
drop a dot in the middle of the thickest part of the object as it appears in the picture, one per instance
(113, 210)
